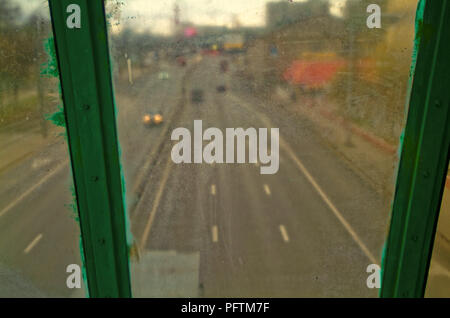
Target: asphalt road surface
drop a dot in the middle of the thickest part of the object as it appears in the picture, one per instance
(219, 230)
(224, 230)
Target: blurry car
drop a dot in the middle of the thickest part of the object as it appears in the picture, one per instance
(224, 66)
(152, 119)
(221, 88)
(197, 96)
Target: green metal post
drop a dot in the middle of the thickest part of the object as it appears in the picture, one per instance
(79, 28)
(424, 157)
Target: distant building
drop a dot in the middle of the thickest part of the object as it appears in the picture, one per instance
(279, 14)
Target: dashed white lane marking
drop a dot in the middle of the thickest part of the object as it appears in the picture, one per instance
(33, 188)
(215, 233)
(284, 233)
(156, 204)
(267, 189)
(213, 189)
(313, 182)
(32, 244)
(39, 163)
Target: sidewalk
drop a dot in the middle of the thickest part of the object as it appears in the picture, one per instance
(370, 156)
(17, 145)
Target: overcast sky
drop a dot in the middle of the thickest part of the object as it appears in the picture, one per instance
(157, 15)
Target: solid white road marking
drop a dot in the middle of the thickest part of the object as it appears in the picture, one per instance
(329, 203)
(284, 234)
(32, 244)
(313, 182)
(215, 233)
(213, 189)
(267, 189)
(156, 203)
(33, 188)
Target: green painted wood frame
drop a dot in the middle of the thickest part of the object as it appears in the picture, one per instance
(85, 74)
(423, 157)
(84, 69)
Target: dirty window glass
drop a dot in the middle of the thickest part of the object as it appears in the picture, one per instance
(438, 284)
(259, 142)
(39, 234)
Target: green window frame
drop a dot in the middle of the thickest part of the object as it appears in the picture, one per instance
(92, 136)
(424, 157)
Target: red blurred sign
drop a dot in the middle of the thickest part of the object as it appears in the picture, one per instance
(312, 74)
(190, 32)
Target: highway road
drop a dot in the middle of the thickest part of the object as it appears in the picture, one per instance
(218, 230)
(225, 230)
(39, 233)
(203, 230)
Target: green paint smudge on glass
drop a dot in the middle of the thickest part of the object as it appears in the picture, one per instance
(73, 206)
(83, 267)
(57, 117)
(49, 69)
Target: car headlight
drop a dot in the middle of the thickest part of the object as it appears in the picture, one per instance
(146, 119)
(157, 119)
